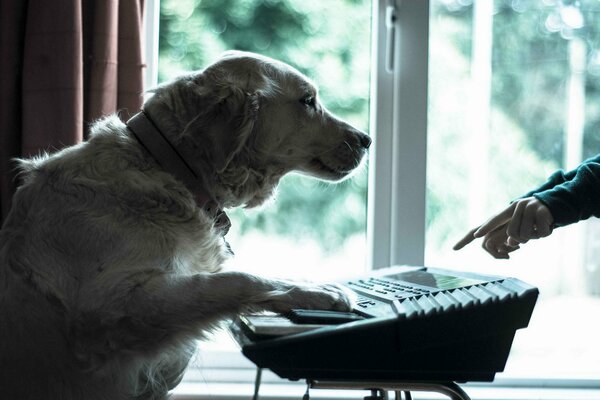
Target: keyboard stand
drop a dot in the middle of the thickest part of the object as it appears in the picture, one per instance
(379, 389)
(450, 389)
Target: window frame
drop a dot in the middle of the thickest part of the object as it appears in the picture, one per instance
(150, 46)
(398, 158)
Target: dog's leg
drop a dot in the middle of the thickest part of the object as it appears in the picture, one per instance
(168, 309)
(180, 300)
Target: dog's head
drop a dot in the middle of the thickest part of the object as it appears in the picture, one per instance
(249, 120)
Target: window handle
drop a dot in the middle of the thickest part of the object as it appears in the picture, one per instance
(390, 24)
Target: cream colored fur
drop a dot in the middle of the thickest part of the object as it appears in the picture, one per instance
(109, 271)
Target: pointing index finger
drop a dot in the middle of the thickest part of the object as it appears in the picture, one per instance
(468, 238)
(494, 222)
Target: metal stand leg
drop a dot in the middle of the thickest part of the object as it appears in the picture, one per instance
(257, 382)
(450, 389)
(407, 394)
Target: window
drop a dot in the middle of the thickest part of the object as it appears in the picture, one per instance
(513, 96)
(474, 104)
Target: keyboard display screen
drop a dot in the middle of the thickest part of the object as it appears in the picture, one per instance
(436, 281)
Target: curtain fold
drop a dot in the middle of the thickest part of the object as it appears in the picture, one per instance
(52, 81)
(65, 63)
(12, 37)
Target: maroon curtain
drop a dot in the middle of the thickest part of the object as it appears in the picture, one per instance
(63, 64)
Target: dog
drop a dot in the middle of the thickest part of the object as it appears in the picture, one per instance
(111, 255)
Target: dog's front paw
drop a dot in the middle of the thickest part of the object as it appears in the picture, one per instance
(315, 297)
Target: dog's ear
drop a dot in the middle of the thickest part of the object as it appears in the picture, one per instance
(224, 124)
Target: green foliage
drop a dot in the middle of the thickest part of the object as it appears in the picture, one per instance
(530, 64)
(327, 40)
(530, 69)
(302, 208)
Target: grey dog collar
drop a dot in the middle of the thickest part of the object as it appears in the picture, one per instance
(166, 155)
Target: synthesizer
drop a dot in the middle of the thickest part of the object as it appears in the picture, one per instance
(408, 323)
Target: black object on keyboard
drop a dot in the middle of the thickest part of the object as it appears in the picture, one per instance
(412, 323)
(300, 316)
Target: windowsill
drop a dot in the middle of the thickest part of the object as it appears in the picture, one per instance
(244, 391)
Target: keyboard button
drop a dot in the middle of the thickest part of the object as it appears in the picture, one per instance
(408, 308)
(447, 302)
(464, 298)
(499, 291)
(483, 295)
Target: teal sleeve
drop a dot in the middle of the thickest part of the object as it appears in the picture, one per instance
(572, 196)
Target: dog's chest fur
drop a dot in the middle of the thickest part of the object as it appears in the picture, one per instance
(127, 207)
(91, 224)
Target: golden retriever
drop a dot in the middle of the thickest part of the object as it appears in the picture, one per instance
(110, 255)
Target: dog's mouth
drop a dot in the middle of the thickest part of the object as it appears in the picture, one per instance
(324, 170)
(337, 163)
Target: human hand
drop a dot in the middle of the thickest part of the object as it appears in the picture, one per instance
(523, 220)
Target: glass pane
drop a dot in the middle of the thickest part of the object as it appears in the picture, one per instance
(515, 95)
(312, 230)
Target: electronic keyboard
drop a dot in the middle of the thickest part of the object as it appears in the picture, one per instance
(408, 323)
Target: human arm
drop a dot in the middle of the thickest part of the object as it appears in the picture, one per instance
(565, 198)
(577, 195)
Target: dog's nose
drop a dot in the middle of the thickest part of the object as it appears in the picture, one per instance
(365, 141)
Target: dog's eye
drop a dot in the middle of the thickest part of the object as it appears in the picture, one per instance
(309, 101)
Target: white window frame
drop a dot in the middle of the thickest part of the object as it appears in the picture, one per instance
(397, 164)
(151, 29)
